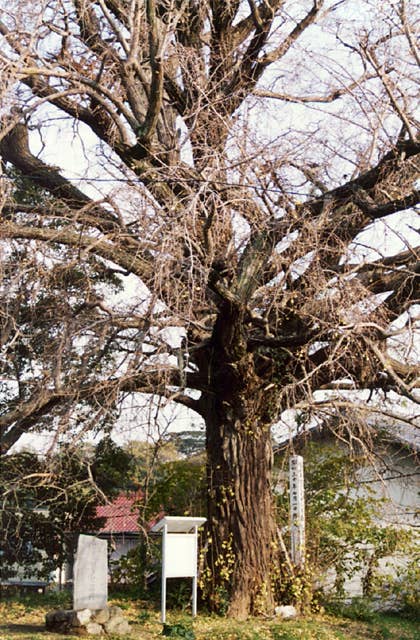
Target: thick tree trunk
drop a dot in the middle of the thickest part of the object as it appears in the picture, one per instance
(240, 517)
(241, 546)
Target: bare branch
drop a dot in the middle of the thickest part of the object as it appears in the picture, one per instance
(333, 95)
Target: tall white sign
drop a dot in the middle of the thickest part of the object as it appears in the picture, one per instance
(179, 553)
(297, 510)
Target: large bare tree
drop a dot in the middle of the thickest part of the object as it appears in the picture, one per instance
(252, 156)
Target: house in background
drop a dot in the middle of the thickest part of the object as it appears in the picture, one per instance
(121, 527)
(122, 531)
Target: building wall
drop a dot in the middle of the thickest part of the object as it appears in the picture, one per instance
(395, 477)
(120, 545)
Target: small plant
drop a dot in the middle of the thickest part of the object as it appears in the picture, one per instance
(178, 630)
(143, 616)
(358, 609)
(282, 634)
(221, 598)
(58, 598)
(179, 594)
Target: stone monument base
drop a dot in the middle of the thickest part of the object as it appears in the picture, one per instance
(88, 622)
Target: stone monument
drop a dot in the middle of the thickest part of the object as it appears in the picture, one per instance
(90, 586)
(90, 614)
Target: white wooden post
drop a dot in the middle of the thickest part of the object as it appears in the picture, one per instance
(297, 511)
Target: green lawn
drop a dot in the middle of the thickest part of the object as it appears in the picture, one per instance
(23, 619)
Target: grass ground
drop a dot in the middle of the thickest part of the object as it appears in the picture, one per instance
(23, 619)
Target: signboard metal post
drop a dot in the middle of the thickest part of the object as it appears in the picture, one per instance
(164, 563)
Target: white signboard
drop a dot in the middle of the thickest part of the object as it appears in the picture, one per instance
(179, 553)
(90, 587)
(297, 510)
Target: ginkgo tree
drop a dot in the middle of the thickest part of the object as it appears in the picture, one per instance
(252, 161)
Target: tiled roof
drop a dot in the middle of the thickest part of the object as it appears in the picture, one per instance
(121, 515)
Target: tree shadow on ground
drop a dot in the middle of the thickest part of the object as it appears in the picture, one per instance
(21, 629)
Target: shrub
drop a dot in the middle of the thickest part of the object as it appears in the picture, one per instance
(401, 592)
(179, 630)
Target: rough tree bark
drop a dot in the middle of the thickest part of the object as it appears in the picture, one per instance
(240, 223)
(239, 454)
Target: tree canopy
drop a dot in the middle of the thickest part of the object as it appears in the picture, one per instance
(250, 168)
